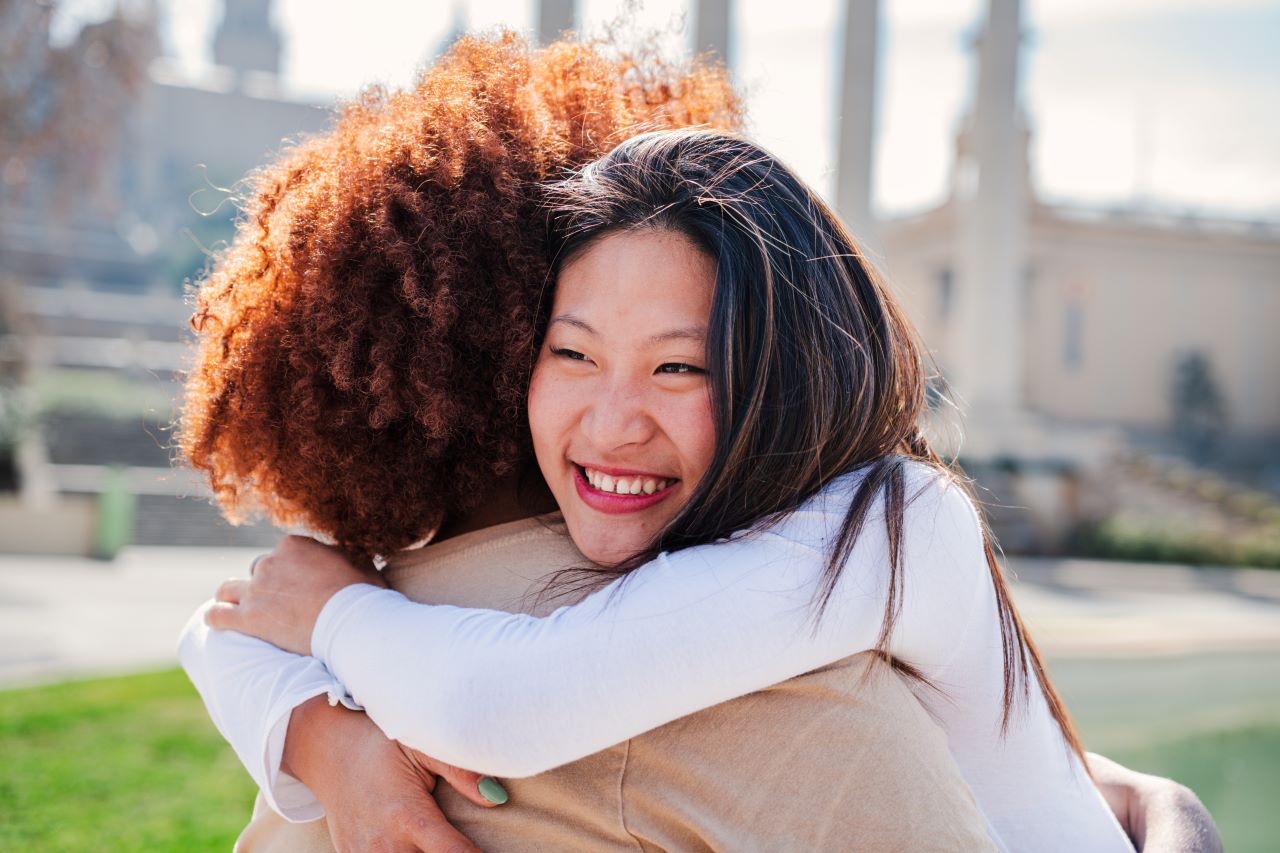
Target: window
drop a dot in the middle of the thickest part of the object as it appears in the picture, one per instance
(946, 284)
(1073, 335)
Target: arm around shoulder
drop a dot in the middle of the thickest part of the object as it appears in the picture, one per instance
(514, 695)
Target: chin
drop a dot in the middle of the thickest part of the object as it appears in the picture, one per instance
(605, 551)
(603, 555)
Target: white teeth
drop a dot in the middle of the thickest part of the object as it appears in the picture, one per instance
(624, 485)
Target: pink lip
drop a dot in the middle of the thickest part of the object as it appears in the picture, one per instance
(614, 504)
(621, 472)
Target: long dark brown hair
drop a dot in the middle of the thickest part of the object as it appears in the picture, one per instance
(814, 369)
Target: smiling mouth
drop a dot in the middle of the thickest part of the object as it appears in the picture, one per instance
(630, 484)
(605, 492)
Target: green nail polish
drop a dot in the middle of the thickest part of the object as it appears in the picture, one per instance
(493, 791)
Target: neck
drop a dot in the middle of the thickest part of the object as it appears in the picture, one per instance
(501, 506)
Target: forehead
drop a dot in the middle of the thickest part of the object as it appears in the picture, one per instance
(641, 275)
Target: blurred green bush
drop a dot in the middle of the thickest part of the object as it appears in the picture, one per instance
(1151, 541)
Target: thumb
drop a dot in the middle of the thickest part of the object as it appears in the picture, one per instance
(432, 832)
(481, 790)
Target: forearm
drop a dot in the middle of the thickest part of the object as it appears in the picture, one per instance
(317, 733)
(250, 688)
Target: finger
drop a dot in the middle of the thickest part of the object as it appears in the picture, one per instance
(481, 790)
(231, 591)
(253, 566)
(427, 827)
(223, 616)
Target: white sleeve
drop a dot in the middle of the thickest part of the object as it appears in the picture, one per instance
(514, 695)
(250, 689)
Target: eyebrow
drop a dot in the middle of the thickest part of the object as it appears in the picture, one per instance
(687, 333)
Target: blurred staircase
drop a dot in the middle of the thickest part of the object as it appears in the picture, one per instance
(173, 504)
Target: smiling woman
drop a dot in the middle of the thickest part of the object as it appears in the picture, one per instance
(619, 404)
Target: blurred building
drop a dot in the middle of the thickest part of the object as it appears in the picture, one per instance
(1081, 317)
(1081, 343)
(100, 288)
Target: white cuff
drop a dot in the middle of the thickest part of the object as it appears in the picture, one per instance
(250, 689)
(289, 797)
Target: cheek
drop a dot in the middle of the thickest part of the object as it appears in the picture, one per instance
(695, 435)
(548, 412)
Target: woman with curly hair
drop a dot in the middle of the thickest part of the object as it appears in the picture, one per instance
(364, 352)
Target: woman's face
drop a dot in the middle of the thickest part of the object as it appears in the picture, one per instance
(619, 404)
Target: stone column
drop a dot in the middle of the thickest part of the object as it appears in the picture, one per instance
(246, 39)
(554, 17)
(856, 143)
(713, 29)
(993, 196)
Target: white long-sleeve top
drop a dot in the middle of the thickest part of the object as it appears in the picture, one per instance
(513, 695)
(250, 689)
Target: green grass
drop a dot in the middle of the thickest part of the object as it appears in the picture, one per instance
(118, 764)
(133, 764)
(1209, 720)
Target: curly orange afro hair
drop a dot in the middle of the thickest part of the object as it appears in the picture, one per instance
(364, 346)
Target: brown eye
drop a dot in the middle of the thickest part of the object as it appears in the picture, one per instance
(572, 355)
(679, 367)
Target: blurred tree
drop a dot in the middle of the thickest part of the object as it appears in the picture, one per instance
(63, 110)
(1199, 414)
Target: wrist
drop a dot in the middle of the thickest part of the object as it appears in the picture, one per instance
(316, 733)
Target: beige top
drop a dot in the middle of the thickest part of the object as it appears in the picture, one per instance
(824, 761)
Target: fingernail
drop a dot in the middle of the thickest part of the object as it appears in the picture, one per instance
(492, 790)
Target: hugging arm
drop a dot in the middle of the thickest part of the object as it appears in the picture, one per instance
(515, 695)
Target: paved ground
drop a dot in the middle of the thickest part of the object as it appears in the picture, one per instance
(1093, 608)
(63, 617)
(66, 617)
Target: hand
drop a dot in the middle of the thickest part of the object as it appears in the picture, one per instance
(1159, 815)
(288, 588)
(376, 792)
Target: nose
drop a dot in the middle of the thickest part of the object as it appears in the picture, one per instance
(618, 414)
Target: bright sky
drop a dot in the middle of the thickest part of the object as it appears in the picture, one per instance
(1174, 103)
